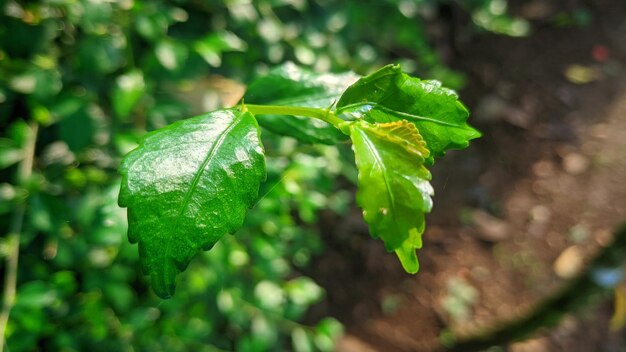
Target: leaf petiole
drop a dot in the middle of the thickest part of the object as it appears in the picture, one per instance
(325, 115)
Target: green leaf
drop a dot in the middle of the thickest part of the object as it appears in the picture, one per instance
(211, 46)
(389, 95)
(492, 16)
(35, 294)
(77, 128)
(291, 85)
(151, 24)
(128, 90)
(171, 55)
(327, 332)
(41, 83)
(99, 55)
(10, 153)
(186, 186)
(301, 341)
(394, 191)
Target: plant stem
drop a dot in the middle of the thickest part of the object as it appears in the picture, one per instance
(321, 114)
(24, 171)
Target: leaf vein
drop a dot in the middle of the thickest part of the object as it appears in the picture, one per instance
(205, 162)
(380, 164)
(399, 113)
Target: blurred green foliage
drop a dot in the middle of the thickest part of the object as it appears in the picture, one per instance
(95, 75)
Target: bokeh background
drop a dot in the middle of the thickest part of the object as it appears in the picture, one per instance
(523, 214)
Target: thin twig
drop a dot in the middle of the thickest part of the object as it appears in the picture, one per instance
(24, 171)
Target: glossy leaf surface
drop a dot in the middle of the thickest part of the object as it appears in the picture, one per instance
(186, 186)
(290, 85)
(389, 95)
(394, 191)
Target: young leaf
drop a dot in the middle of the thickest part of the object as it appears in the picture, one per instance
(186, 186)
(291, 85)
(389, 95)
(394, 191)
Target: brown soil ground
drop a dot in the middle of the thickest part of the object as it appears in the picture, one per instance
(516, 215)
